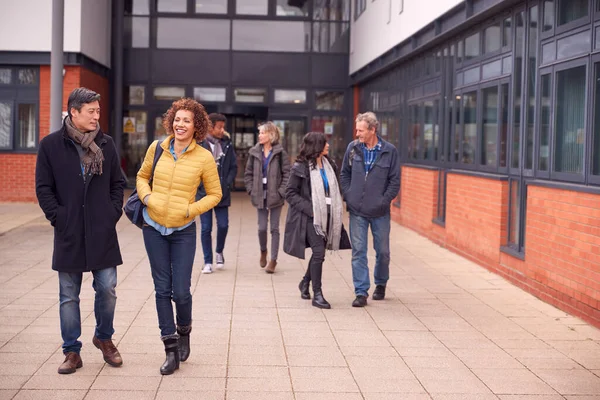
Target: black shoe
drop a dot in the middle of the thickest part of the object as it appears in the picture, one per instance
(359, 301)
(184, 342)
(319, 301)
(303, 286)
(379, 293)
(172, 360)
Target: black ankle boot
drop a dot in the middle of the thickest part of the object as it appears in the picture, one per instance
(303, 286)
(172, 360)
(319, 301)
(184, 342)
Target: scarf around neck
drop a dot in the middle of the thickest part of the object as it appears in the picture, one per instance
(320, 222)
(92, 157)
(217, 150)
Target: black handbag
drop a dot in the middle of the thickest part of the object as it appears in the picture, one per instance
(134, 207)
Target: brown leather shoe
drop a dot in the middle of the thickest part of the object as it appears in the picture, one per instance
(271, 267)
(71, 363)
(109, 351)
(263, 259)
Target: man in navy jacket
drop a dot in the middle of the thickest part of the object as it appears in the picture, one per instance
(370, 180)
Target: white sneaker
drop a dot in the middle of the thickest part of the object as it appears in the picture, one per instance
(207, 269)
(220, 260)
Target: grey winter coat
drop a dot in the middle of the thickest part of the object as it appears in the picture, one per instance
(278, 172)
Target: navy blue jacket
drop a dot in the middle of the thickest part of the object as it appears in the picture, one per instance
(227, 166)
(370, 195)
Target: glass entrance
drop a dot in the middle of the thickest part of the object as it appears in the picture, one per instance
(243, 130)
(293, 130)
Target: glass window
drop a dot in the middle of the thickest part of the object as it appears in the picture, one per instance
(172, 6)
(169, 93)
(291, 36)
(489, 128)
(246, 95)
(135, 95)
(472, 46)
(334, 128)
(455, 156)
(491, 39)
(160, 133)
(26, 136)
(137, 32)
(326, 100)
(331, 10)
(428, 130)
(290, 96)
(548, 15)
(5, 76)
(211, 6)
(531, 86)
(252, 7)
(545, 127)
(210, 94)
(505, 124)
(570, 120)
(507, 32)
(188, 33)
(414, 132)
(459, 52)
(27, 76)
(571, 10)
(596, 144)
(469, 143)
(137, 7)
(5, 125)
(135, 143)
(518, 80)
(330, 37)
(286, 8)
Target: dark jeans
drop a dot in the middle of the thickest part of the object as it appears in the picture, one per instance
(206, 220)
(315, 265)
(104, 284)
(171, 260)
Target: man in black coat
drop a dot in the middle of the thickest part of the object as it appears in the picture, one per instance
(79, 187)
(222, 150)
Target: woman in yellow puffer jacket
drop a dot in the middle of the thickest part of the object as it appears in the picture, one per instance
(169, 228)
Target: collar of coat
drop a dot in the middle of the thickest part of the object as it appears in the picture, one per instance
(167, 142)
(256, 151)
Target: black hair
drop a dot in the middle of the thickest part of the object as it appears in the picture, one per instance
(216, 117)
(79, 97)
(312, 147)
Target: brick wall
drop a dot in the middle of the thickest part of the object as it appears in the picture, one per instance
(17, 171)
(419, 188)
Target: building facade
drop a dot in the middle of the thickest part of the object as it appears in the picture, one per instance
(495, 109)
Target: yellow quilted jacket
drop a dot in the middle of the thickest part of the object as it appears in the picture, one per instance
(172, 202)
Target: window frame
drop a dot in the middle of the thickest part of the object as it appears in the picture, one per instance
(589, 171)
(479, 156)
(558, 29)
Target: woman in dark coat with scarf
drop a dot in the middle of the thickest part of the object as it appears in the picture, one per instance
(315, 214)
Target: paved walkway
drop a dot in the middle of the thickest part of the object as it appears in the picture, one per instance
(447, 330)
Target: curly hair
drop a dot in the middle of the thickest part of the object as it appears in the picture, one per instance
(202, 124)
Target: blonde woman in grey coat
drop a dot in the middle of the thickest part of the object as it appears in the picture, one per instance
(266, 176)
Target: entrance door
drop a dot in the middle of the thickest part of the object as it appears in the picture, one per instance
(293, 130)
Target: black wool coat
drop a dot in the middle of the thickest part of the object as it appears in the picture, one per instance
(227, 166)
(84, 214)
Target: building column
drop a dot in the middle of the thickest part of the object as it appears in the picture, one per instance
(117, 72)
(56, 65)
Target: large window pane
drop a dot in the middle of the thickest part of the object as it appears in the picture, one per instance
(290, 96)
(517, 96)
(135, 95)
(135, 143)
(137, 32)
(173, 6)
(531, 86)
(414, 132)
(330, 37)
(5, 125)
(548, 15)
(455, 156)
(291, 36)
(505, 124)
(428, 130)
(5, 76)
(545, 103)
(491, 39)
(571, 10)
(27, 76)
(472, 46)
(188, 33)
(252, 7)
(570, 120)
(335, 128)
(286, 8)
(469, 142)
(169, 93)
(27, 134)
(596, 148)
(211, 6)
(326, 100)
(246, 95)
(489, 128)
(507, 32)
(210, 94)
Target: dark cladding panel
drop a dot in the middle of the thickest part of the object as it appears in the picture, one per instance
(190, 67)
(136, 65)
(279, 69)
(330, 70)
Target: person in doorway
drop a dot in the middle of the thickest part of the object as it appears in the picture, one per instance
(370, 179)
(222, 150)
(79, 186)
(314, 218)
(169, 228)
(266, 175)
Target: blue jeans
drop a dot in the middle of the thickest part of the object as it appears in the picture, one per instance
(104, 284)
(359, 232)
(206, 220)
(171, 260)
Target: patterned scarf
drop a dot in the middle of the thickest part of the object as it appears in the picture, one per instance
(92, 157)
(317, 189)
(217, 150)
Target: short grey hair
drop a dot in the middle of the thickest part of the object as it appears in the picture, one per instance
(370, 118)
(272, 130)
(79, 97)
